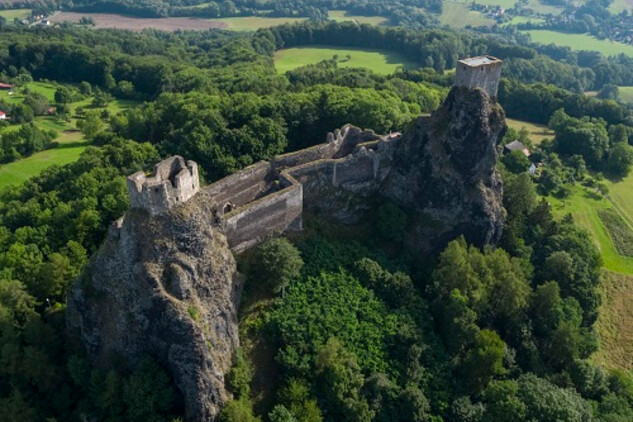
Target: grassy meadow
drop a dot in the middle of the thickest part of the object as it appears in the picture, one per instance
(253, 23)
(70, 142)
(537, 132)
(11, 14)
(342, 16)
(580, 42)
(458, 15)
(618, 6)
(584, 205)
(379, 61)
(70, 146)
(626, 93)
(523, 19)
(615, 322)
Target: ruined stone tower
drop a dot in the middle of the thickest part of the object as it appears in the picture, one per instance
(479, 72)
(172, 182)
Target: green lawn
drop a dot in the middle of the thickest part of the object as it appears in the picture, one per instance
(539, 7)
(70, 148)
(580, 42)
(342, 16)
(619, 5)
(506, 4)
(380, 61)
(537, 132)
(626, 93)
(11, 14)
(71, 142)
(583, 205)
(253, 23)
(523, 19)
(457, 15)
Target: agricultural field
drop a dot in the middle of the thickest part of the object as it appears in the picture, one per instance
(619, 5)
(379, 61)
(70, 142)
(108, 20)
(342, 16)
(615, 323)
(11, 14)
(252, 23)
(584, 205)
(580, 42)
(523, 19)
(71, 145)
(506, 4)
(626, 93)
(457, 15)
(540, 7)
(537, 132)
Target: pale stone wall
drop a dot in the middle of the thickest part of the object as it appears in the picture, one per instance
(485, 76)
(172, 182)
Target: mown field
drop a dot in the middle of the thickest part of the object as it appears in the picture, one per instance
(342, 16)
(70, 142)
(523, 19)
(626, 93)
(380, 61)
(252, 23)
(584, 205)
(619, 5)
(537, 132)
(458, 15)
(11, 14)
(580, 42)
(71, 145)
(615, 322)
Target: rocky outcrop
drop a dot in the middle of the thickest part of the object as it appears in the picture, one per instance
(444, 167)
(164, 286)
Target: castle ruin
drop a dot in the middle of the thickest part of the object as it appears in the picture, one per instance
(269, 197)
(479, 72)
(172, 182)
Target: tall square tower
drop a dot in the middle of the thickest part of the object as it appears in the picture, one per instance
(479, 72)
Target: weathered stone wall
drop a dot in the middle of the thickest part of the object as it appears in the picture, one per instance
(172, 182)
(485, 77)
(270, 215)
(241, 187)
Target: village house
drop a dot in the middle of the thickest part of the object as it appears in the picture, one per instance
(517, 146)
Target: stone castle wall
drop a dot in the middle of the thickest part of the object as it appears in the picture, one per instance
(267, 216)
(172, 182)
(268, 198)
(485, 76)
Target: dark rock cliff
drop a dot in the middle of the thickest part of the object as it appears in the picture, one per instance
(163, 286)
(444, 167)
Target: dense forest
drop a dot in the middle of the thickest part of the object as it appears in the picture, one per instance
(362, 329)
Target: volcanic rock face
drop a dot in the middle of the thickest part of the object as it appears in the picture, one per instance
(166, 287)
(444, 167)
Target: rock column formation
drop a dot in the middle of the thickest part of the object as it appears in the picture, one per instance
(166, 287)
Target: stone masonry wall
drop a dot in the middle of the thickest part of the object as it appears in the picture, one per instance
(270, 215)
(485, 77)
(172, 182)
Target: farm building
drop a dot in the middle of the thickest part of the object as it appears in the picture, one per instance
(517, 146)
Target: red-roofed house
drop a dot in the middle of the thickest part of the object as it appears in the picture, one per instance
(5, 86)
(3, 115)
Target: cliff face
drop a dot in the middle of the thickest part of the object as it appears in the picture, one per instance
(164, 286)
(444, 167)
